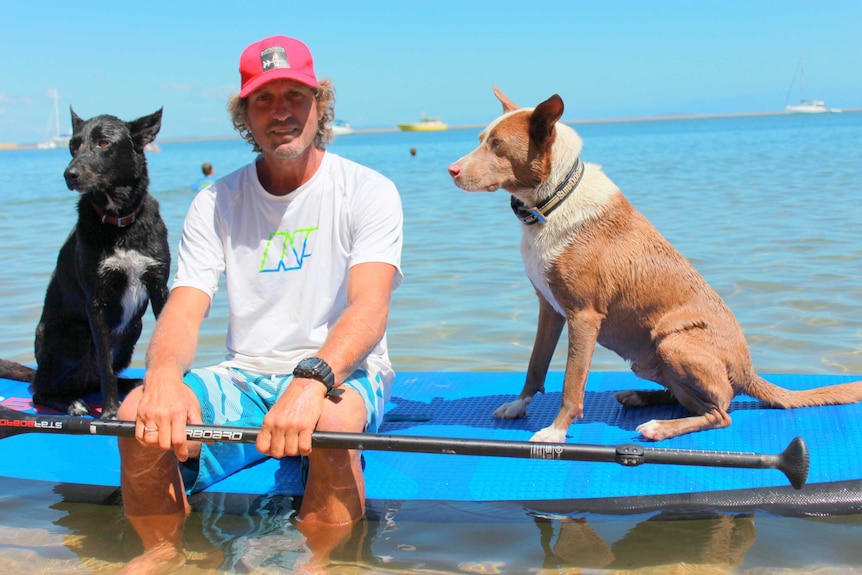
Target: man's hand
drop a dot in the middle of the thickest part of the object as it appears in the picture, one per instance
(166, 406)
(288, 426)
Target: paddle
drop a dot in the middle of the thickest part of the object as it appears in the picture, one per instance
(793, 461)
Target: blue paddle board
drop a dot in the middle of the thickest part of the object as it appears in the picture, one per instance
(459, 405)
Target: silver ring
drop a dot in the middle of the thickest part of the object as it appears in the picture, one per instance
(149, 429)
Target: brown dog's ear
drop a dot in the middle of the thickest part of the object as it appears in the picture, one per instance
(543, 119)
(145, 128)
(508, 105)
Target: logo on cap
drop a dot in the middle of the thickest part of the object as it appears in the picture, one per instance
(273, 57)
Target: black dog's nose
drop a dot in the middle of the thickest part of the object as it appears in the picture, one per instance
(71, 176)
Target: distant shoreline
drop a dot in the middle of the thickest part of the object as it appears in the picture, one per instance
(6, 146)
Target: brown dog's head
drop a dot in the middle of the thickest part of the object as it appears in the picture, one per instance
(516, 151)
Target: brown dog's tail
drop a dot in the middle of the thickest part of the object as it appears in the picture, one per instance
(16, 371)
(776, 396)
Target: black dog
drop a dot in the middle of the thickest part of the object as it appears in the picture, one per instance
(114, 262)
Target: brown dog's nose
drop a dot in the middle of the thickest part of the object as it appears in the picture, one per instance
(455, 170)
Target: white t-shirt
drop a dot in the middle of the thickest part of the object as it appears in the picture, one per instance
(286, 258)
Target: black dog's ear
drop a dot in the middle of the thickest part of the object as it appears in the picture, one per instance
(543, 119)
(145, 128)
(77, 122)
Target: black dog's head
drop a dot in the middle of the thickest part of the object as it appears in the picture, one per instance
(108, 158)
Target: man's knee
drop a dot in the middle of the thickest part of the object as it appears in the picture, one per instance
(347, 413)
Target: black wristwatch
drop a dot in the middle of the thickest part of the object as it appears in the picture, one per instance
(316, 368)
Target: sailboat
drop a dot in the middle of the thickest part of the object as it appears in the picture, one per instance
(57, 140)
(805, 106)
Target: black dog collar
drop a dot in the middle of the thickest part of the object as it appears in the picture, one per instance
(120, 222)
(540, 213)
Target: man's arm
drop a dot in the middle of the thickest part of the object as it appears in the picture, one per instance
(287, 428)
(363, 323)
(166, 403)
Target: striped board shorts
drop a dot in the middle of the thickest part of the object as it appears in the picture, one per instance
(231, 396)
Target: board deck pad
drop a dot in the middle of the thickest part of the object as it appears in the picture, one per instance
(460, 404)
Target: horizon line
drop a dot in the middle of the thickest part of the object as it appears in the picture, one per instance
(661, 117)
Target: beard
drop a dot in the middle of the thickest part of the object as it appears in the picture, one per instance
(290, 150)
(296, 146)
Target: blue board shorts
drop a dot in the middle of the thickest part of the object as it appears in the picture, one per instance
(231, 396)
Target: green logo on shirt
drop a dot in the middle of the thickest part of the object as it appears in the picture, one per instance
(286, 250)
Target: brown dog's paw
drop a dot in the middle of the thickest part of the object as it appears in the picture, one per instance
(653, 430)
(549, 435)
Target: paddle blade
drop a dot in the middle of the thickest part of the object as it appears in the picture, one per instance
(794, 462)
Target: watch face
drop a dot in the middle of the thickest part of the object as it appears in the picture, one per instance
(309, 364)
(314, 367)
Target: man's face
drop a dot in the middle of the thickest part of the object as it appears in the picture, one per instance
(283, 118)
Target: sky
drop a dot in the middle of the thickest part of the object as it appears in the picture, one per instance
(391, 61)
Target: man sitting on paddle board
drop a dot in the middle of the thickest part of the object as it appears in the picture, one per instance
(310, 247)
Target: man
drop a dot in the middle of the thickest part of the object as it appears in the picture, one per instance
(310, 247)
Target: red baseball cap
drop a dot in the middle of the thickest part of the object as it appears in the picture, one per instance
(275, 58)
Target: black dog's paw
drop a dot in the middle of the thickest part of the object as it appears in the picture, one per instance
(644, 398)
(108, 413)
(78, 407)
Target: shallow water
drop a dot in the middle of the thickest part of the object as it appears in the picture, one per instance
(767, 208)
(41, 532)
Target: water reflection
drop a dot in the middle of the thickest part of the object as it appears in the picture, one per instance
(230, 534)
(711, 539)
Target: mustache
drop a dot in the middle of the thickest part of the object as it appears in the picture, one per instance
(283, 124)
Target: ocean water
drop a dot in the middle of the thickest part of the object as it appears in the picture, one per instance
(768, 208)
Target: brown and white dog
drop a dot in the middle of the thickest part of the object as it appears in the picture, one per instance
(600, 268)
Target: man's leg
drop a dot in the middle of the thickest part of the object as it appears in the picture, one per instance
(334, 499)
(335, 489)
(153, 499)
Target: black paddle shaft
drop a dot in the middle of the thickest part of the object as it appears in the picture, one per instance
(793, 461)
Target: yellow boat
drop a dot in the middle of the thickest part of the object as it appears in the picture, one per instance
(426, 124)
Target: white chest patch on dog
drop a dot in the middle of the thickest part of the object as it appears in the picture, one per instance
(542, 244)
(536, 267)
(133, 264)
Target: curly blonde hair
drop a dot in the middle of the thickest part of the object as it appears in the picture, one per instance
(325, 96)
